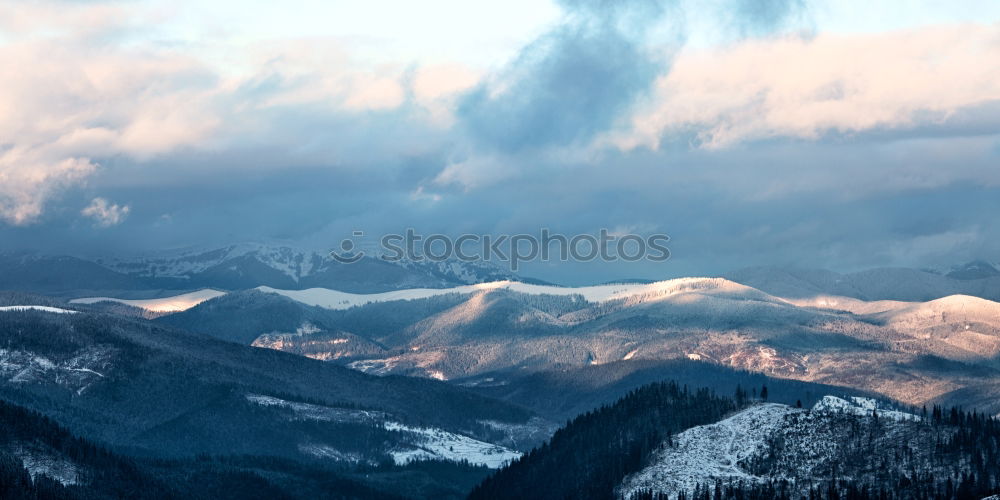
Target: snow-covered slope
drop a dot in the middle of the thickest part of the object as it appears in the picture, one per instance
(41, 460)
(437, 444)
(770, 441)
(183, 264)
(968, 325)
(850, 304)
(174, 303)
(75, 372)
(960, 308)
(707, 452)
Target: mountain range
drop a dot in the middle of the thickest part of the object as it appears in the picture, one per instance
(229, 268)
(286, 370)
(943, 350)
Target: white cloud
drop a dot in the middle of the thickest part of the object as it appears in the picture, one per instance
(105, 213)
(78, 89)
(28, 176)
(65, 102)
(805, 87)
(475, 172)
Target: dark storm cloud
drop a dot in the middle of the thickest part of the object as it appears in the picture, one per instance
(581, 78)
(571, 83)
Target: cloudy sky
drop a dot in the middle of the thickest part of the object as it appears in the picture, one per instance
(842, 133)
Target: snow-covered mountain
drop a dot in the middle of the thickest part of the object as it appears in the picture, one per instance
(294, 264)
(911, 351)
(235, 267)
(249, 265)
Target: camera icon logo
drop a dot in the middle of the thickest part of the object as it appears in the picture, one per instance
(347, 253)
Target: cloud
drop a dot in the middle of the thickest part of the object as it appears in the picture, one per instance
(760, 147)
(764, 17)
(569, 84)
(69, 103)
(91, 91)
(105, 213)
(585, 78)
(78, 102)
(473, 173)
(29, 176)
(318, 71)
(809, 87)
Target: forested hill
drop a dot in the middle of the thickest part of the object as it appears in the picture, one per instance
(595, 451)
(664, 442)
(41, 460)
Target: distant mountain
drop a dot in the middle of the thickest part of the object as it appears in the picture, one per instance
(874, 284)
(30, 272)
(250, 265)
(235, 267)
(974, 270)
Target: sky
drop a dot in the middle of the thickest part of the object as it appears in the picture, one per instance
(833, 134)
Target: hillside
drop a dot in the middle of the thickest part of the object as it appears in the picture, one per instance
(562, 394)
(39, 459)
(663, 442)
(158, 391)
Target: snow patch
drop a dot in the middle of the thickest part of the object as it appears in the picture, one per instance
(47, 309)
(437, 444)
(329, 453)
(308, 411)
(76, 373)
(860, 406)
(43, 462)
